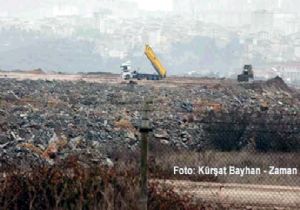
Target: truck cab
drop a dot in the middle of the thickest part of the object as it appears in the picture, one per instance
(127, 72)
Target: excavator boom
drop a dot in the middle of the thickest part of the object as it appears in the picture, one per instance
(155, 61)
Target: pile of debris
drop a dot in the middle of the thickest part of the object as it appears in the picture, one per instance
(47, 120)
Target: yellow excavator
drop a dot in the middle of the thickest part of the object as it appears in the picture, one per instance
(128, 74)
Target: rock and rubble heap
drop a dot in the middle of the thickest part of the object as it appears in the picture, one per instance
(43, 121)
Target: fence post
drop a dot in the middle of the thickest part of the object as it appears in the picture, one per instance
(145, 129)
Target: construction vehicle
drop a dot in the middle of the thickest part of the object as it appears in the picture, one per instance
(247, 74)
(128, 73)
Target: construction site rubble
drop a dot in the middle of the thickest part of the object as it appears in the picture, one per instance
(44, 121)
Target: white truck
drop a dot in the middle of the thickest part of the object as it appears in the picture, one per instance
(128, 73)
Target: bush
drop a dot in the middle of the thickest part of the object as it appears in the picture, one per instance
(69, 185)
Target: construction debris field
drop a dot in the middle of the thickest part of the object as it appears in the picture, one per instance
(46, 118)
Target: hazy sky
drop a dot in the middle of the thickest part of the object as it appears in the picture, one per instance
(155, 4)
(21, 7)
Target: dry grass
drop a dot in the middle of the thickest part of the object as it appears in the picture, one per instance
(69, 185)
(73, 185)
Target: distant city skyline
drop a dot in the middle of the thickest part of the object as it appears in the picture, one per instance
(209, 37)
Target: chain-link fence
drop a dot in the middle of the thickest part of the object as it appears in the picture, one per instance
(227, 160)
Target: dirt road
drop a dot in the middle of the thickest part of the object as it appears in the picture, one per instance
(112, 79)
(239, 195)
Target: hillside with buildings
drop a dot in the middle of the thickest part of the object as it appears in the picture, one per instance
(205, 38)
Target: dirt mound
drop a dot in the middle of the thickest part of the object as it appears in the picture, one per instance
(278, 83)
(36, 71)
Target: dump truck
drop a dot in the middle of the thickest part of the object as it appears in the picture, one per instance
(247, 74)
(128, 73)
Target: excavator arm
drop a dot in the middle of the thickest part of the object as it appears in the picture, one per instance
(155, 61)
